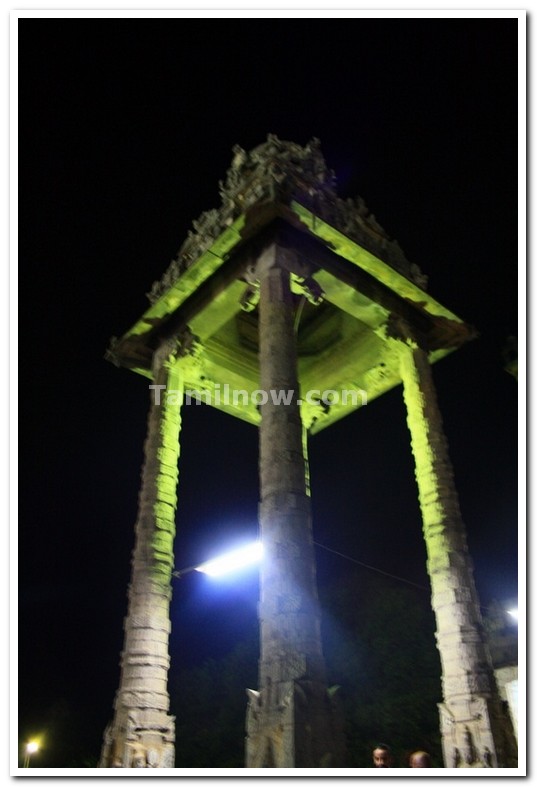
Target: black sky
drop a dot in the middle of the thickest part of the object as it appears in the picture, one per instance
(125, 128)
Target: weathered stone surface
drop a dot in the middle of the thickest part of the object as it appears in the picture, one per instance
(294, 724)
(141, 734)
(476, 730)
(291, 720)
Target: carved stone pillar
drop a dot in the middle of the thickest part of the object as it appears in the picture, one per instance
(142, 733)
(291, 721)
(476, 730)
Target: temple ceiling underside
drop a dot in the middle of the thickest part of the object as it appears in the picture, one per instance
(346, 287)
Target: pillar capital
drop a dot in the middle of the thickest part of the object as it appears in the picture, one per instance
(180, 345)
(398, 330)
(276, 256)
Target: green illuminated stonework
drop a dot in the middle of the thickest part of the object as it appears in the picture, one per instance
(283, 192)
(288, 286)
(476, 730)
(142, 732)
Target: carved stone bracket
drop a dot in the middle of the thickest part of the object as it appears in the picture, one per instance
(399, 329)
(300, 271)
(180, 345)
(250, 298)
(111, 354)
(309, 288)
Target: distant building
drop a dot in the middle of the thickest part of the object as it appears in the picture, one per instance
(503, 643)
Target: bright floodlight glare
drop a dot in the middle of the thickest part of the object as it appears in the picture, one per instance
(513, 613)
(237, 559)
(32, 747)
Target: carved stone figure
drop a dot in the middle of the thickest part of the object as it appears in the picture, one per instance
(139, 761)
(167, 759)
(152, 758)
(469, 748)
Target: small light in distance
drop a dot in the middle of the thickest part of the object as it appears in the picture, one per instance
(513, 613)
(32, 747)
(233, 560)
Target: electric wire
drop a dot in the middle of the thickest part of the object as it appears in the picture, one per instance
(371, 568)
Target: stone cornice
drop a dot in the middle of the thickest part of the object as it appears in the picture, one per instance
(282, 172)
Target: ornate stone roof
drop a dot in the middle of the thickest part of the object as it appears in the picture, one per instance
(281, 171)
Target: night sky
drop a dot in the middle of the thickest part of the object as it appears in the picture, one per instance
(125, 128)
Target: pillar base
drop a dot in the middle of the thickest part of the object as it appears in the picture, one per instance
(139, 739)
(296, 724)
(476, 734)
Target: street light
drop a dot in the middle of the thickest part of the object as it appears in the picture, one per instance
(513, 613)
(251, 553)
(30, 748)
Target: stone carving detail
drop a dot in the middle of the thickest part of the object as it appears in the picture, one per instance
(111, 354)
(253, 710)
(179, 345)
(139, 739)
(168, 757)
(153, 758)
(279, 729)
(250, 298)
(283, 171)
(131, 733)
(469, 748)
(108, 743)
(310, 289)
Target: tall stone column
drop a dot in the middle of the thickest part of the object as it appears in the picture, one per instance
(475, 727)
(142, 733)
(291, 721)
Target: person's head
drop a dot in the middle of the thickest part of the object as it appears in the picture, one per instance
(382, 756)
(420, 759)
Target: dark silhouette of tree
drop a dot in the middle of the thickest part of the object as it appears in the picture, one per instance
(380, 649)
(209, 703)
